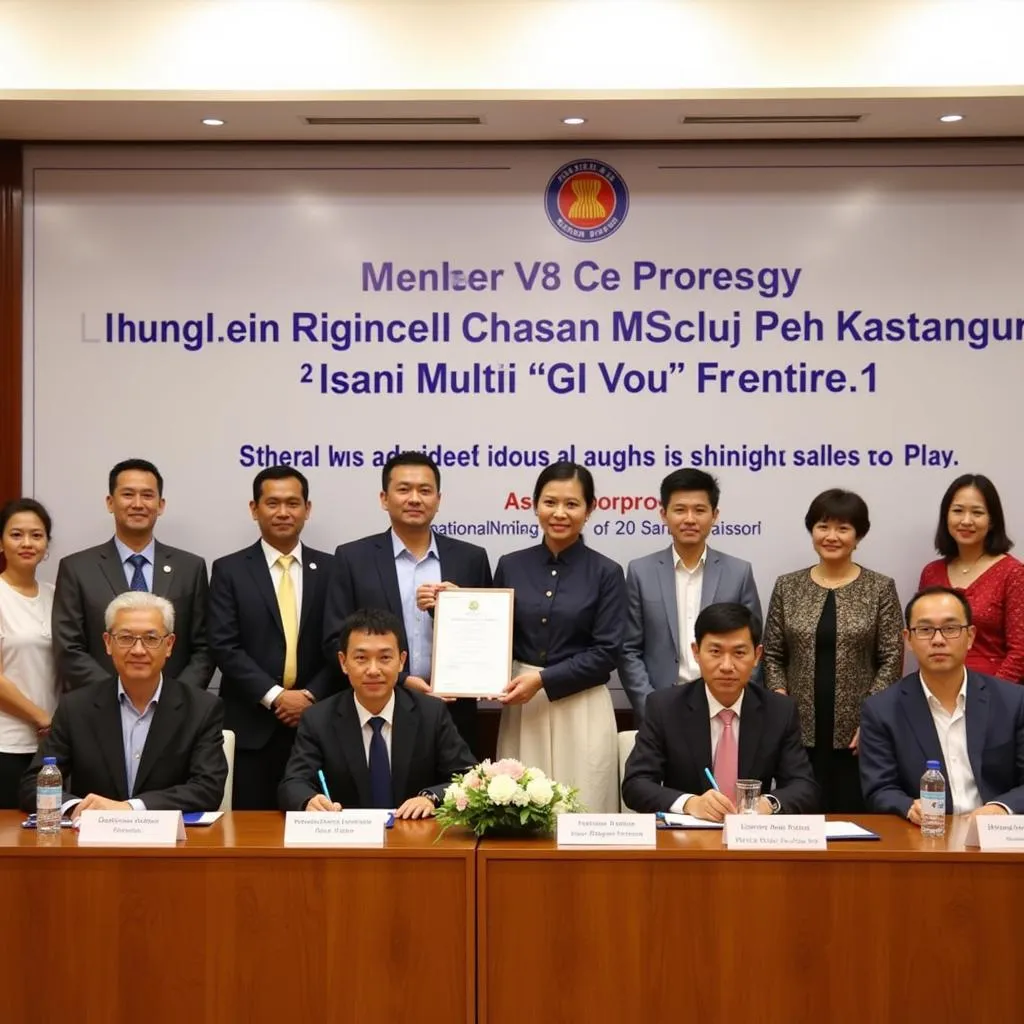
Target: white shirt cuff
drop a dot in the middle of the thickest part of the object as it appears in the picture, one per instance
(267, 700)
(136, 804)
(678, 805)
(66, 807)
(996, 803)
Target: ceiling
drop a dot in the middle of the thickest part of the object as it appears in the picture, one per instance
(98, 117)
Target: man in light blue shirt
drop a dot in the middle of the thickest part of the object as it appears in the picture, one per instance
(413, 572)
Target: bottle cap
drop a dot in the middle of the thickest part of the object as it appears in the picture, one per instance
(933, 766)
(49, 760)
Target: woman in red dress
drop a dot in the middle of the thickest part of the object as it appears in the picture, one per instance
(971, 537)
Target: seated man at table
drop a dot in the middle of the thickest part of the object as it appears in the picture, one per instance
(142, 741)
(971, 723)
(718, 725)
(376, 746)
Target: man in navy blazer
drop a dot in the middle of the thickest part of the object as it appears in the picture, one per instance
(265, 693)
(971, 723)
(654, 654)
(401, 571)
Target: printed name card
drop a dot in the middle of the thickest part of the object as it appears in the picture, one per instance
(606, 830)
(775, 832)
(335, 828)
(998, 832)
(130, 828)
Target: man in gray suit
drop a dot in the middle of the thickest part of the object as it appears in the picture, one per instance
(88, 580)
(667, 590)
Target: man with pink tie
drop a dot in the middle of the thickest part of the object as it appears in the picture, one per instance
(716, 726)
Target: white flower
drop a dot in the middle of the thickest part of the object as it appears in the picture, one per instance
(540, 791)
(501, 789)
(520, 798)
(454, 793)
(559, 808)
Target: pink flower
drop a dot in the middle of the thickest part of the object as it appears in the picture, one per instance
(471, 781)
(510, 767)
(461, 803)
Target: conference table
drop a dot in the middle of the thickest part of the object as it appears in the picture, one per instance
(234, 926)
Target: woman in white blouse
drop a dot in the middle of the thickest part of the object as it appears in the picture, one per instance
(28, 675)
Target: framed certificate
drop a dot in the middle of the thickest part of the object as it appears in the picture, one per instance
(472, 643)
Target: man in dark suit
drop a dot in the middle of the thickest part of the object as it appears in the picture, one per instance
(142, 741)
(402, 570)
(270, 674)
(377, 745)
(971, 723)
(132, 560)
(718, 724)
(666, 590)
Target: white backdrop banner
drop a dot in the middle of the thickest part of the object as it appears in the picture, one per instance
(790, 319)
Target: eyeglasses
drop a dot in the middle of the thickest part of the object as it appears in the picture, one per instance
(126, 641)
(950, 632)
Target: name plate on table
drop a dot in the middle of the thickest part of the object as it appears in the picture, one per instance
(131, 828)
(335, 828)
(775, 832)
(606, 830)
(998, 832)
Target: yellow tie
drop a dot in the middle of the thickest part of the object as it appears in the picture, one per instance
(289, 620)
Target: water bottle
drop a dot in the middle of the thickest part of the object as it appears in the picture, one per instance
(49, 790)
(933, 801)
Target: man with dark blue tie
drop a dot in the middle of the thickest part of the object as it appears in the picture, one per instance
(132, 559)
(376, 745)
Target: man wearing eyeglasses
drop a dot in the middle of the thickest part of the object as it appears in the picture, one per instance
(142, 742)
(972, 723)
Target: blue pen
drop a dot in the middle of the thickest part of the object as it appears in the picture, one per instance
(327, 792)
(711, 779)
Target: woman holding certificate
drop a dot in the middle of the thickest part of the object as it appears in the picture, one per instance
(570, 603)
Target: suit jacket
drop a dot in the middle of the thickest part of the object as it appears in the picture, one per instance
(673, 747)
(897, 737)
(650, 643)
(182, 767)
(426, 751)
(87, 581)
(365, 577)
(869, 646)
(247, 638)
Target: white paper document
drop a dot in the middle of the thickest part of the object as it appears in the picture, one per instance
(688, 821)
(847, 830)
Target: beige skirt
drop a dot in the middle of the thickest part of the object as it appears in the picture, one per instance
(572, 740)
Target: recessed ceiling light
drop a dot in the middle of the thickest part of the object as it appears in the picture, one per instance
(950, 118)
(574, 120)
(213, 122)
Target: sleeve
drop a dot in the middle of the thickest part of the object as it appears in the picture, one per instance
(1014, 798)
(1012, 666)
(339, 604)
(750, 598)
(888, 639)
(632, 669)
(577, 673)
(774, 655)
(483, 570)
(297, 787)
(795, 786)
(207, 771)
(452, 753)
(879, 770)
(57, 744)
(76, 667)
(643, 788)
(199, 670)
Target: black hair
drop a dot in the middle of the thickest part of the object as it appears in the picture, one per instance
(565, 471)
(143, 465)
(278, 473)
(376, 621)
(409, 459)
(842, 506)
(690, 480)
(928, 591)
(996, 540)
(16, 505)
(726, 617)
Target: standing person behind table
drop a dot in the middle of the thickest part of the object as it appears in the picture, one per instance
(833, 636)
(971, 537)
(28, 675)
(570, 605)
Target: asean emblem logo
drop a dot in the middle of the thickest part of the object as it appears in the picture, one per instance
(474, 606)
(586, 200)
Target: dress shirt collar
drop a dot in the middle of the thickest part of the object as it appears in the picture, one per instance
(677, 560)
(123, 698)
(387, 712)
(125, 552)
(714, 705)
(398, 547)
(568, 556)
(271, 554)
(935, 704)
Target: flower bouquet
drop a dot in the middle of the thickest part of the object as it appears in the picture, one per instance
(506, 797)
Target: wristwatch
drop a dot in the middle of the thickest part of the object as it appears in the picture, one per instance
(431, 796)
(774, 801)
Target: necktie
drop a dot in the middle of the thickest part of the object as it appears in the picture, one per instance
(289, 621)
(380, 767)
(726, 755)
(138, 578)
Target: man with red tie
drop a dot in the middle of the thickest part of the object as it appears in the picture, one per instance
(717, 728)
